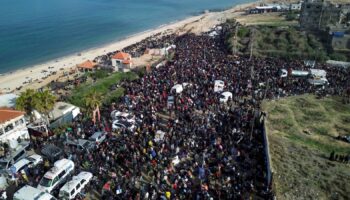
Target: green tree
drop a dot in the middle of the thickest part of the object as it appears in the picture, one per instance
(26, 102)
(93, 102)
(45, 101)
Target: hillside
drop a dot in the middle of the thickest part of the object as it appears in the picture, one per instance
(302, 134)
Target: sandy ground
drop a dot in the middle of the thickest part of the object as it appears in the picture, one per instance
(35, 74)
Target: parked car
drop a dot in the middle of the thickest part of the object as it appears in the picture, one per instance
(30, 193)
(81, 144)
(75, 186)
(15, 156)
(345, 138)
(124, 116)
(118, 125)
(25, 163)
(52, 152)
(116, 113)
(35, 159)
(225, 96)
(57, 175)
(98, 137)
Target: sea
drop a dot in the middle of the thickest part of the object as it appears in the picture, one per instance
(37, 31)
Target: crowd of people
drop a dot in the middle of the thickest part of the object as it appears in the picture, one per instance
(210, 149)
(156, 41)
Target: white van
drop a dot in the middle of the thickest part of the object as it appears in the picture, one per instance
(219, 85)
(73, 187)
(318, 77)
(56, 175)
(30, 193)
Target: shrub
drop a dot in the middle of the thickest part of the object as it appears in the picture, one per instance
(243, 31)
(338, 56)
(101, 86)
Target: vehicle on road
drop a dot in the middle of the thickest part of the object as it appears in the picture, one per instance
(225, 96)
(118, 125)
(98, 137)
(15, 156)
(51, 152)
(75, 186)
(57, 175)
(81, 144)
(25, 163)
(30, 193)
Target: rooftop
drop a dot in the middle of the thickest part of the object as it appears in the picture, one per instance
(122, 56)
(7, 114)
(87, 65)
(60, 109)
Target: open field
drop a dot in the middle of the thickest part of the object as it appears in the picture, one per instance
(272, 19)
(301, 132)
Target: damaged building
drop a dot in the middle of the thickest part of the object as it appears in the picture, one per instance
(330, 18)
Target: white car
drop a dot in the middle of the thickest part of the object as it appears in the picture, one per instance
(28, 193)
(225, 96)
(18, 167)
(35, 159)
(75, 186)
(116, 113)
(118, 125)
(28, 162)
(128, 117)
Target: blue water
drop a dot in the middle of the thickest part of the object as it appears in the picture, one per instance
(35, 31)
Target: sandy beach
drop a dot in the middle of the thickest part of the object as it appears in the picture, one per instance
(35, 74)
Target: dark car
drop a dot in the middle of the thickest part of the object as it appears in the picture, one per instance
(81, 145)
(52, 152)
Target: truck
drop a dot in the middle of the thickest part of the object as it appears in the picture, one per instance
(314, 76)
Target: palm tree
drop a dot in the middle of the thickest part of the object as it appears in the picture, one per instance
(45, 103)
(26, 102)
(93, 101)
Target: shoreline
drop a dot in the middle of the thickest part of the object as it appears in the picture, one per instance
(9, 81)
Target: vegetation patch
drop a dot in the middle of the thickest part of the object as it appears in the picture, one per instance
(300, 154)
(102, 86)
(275, 37)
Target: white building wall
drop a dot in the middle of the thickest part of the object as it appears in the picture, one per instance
(117, 64)
(19, 129)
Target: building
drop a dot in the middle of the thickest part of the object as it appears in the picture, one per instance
(264, 9)
(319, 15)
(63, 113)
(87, 66)
(331, 21)
(267, 8)
(160, 52)
(12, 125)
(339, 38)
(122, 62)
